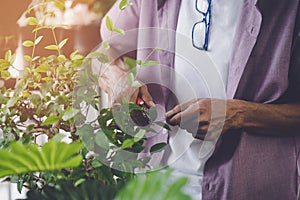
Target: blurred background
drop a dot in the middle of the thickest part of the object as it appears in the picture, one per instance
(81, 25)
(77, 20)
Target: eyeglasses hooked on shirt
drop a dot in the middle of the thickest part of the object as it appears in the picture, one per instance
(200, 30)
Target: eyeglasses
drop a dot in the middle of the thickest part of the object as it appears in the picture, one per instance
(200, 31)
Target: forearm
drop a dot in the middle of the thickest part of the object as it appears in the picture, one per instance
(273, 119)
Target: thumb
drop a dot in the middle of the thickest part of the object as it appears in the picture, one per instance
(146, 96)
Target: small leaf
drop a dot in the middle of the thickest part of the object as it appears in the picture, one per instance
(79, 181)
(27, 58)
(69, 113)
(120, 31)
(35, 58)
(61, 58)
(52, 47)
(127, 143)
(8, 55)
(96, 164)
(50, 120)
(162, 124)
(13, 58)
(131, 63)
(42, 68)
(5, 75)
(4, 64)
(131, 77)
(20, 185)
(93, 54)
(136, 84)
(139, 136)
(109, 24)
(103, 58)
(157, 147)
(62, 43)
(124, 4)
(105, 45)
(149, 63)
(32, 21)
(28, 43)
(152, 114)
(73, 54)
(38, 40)
(58, 137)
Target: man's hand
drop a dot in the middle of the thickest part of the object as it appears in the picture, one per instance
(143, 93)
(206, 118)
(114, 81)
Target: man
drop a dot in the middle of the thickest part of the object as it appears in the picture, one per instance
(256, 156)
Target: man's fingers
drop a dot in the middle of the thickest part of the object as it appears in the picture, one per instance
(173, 112)
(146, 96)
(134, 96)
(180, 108)
(174, 120)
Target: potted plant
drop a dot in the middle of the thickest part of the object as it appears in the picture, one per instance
(78, 158)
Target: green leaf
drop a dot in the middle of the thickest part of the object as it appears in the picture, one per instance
(131, 77)
(109, 24)
(124, 4)
(32, 21)
(62, 43)
(42, 68)
(5, 75)
(51, 120)
(35, 58)
(136, 84)
(52, 47)
(162, 124)
(101, 140)
(79, 181)
(149, 63)
(28, 43)
(61, 58)
(157, 147)
(105, 45)
(4, 64)
(93, 55)
(27, 58)
(69, 113)
(96, 164)
(8, 55)
(140, 135)
(152, 114)
(35, 99)
(131, 63)
(100, 56)
(38, 40)
(59, 137)
(127, 144)
(103, 58)
(118, 30)
(21, 158)
(155, 185)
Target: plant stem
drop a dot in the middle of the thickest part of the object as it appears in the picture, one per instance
(55, 39)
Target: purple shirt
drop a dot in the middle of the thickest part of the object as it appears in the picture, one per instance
(264, 68)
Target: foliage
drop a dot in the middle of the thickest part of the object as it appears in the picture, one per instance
(52, 98)
(155, 185)
(53, 156)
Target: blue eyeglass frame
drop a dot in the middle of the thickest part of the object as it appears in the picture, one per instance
(206, 19)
